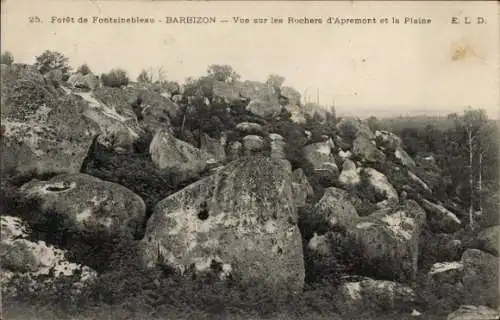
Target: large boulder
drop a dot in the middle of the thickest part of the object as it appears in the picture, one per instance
(349, 129)
(380, 296)
(253, 144)
(264, 100)
(35, 265)
(404, 158)
(468, 312)
(226, 92)
(366, 150)
(241, 218)
(250, 128)
(440, 218)
(386, 244)
(439, 247)
(320, 155)
(335, 209)
(443, 287)
(302, 189)
(388, 140)
(264, 108)
(382, 188)
(88, 203)
(488, 240)
(350, 176)
(168, 152)
(480, 278)
(86, 82)
(46, 139)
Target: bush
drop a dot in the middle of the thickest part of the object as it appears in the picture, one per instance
(6, 58)
(52, 60)
(84, 69)
(116, 78)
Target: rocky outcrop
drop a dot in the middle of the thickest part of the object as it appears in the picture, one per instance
(480, 278)
(357, 297)
(440, 218)
(349, 129)
(364, 149)
(35, 265)
(444, 288)
(388, 140)
(349, 177)
(241, 218)
(439, 247)
(167, 152)
(89, 204)
(80, 81)
(468, 312)
(381, 185)
(404, 158)
(335, 209)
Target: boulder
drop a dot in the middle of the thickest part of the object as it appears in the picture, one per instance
(439, 247)
(364, 149)
(349, 129)
(440, 218)
(320, 245)
(87, 202)
(241, 218)
(335, 209)
(35, 265)
(480, 278)
(278, 145)
(80, 81)
(381, 185)
(263, 108)
(388, 140)
(302, 189)
(444, 288)
(345, 154)
(227, 92)
(291, 94)
(235, 150)
(386, 244)
(349, 177)
(213, 147)
(468, 312)
(253, 144)
(488, 239)
(250, 128)
(404, 158)
(168, 152)
(53, 139)
(379, 296)
(320, 155)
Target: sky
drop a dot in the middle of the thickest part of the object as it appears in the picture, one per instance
(380, 69)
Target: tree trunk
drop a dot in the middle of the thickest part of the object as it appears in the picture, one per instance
(471, 180)
(480, 184)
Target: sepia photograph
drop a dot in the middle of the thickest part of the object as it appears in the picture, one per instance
(247, 160)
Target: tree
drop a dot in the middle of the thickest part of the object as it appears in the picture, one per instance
(7, 58)
(52, 60)
(116, 78)
(144, 77)
(84, 69)
(275, 81)
(224, 73)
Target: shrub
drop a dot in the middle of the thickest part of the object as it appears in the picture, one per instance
(84, 69)
(6, 58)
(116, 78)
(52, 60)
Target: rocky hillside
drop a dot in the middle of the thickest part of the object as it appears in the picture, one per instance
(135, 193)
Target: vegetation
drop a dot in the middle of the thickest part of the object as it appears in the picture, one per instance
(84, 69)
(116, 78)
(6, 58)
(52, 60)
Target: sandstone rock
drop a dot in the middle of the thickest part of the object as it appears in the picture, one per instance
(297, 113)
(278, 145)
(416, 180)
(28, 263)
(386, 245)
(302, 189)
(226, 91)
(213, 147)
(345, 154)
(404, 158)
(167, 152)
(250, 128)
(343, 143)
(440, 218)
(88, 202)
(468, 312)
(381, 184)
(375, 295)
(444, 287)
(439, 247)
(253, 144)
(363, 148)
(349, 177)
(80, 81)
(480, 278)
(335, 209)
(388, 140)
(291, 94)
(349, 129)
(320, 155)
(52, 140)
(264, 109)
(320, 245)
(242, 216)
(488, 239)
